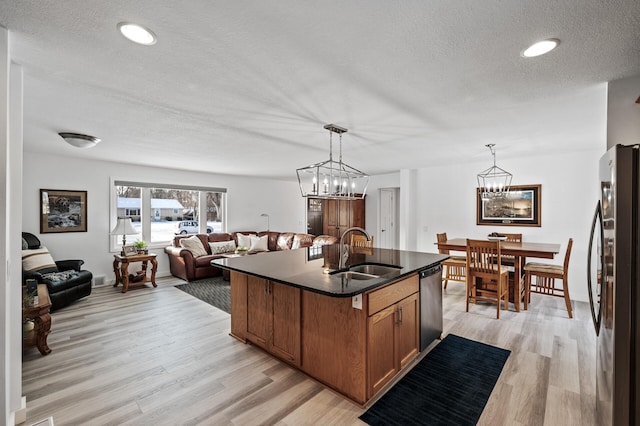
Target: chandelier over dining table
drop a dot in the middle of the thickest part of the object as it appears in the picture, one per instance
(494, 182)
(332, 179)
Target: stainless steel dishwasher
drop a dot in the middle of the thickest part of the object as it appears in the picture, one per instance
(430, 305)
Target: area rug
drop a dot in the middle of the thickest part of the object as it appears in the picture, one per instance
(449, 386)
(214, 291)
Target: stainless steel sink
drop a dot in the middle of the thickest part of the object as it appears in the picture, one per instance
(378, 270)
(351, 275)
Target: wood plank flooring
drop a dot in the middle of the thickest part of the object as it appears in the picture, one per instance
(162, 357)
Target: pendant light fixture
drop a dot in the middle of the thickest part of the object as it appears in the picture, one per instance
(494, 181)
(332, 179)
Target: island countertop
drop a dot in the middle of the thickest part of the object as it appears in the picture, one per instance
(308, 268)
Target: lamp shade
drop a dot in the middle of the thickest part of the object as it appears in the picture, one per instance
(124, 227)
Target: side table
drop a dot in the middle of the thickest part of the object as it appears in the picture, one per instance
(42, 322)
(121, 269)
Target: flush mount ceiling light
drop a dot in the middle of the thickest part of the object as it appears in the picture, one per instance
(332, 179)
(137, 33)
(540, 48)
(80, 141)
(494, 181)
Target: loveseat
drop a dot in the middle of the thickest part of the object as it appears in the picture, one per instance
(192, 261)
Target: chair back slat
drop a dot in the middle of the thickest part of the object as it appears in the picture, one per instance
(483, 256)
(361, 241)
(567, 256)
(442, 238)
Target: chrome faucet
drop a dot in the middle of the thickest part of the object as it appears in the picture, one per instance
(344, 256)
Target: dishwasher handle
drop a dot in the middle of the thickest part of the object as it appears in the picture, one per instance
(430, 271)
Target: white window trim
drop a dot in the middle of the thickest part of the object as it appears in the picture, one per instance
(115, 242)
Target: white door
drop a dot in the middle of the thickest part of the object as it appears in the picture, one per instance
(388, 218)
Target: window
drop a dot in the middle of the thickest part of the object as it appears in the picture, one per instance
(159, 212)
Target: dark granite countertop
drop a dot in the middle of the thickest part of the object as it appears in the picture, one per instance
(308, 268)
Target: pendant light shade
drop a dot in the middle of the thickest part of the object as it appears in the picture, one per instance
(494, 182)
(332, 179)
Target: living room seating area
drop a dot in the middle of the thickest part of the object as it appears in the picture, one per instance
(190, 256)
(65, 280)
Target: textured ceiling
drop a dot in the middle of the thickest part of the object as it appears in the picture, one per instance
(245, 87)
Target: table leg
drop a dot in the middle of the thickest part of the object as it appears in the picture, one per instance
(124, 270)
(154, 268)
(116, 271)
(42, 327)
(517, 285)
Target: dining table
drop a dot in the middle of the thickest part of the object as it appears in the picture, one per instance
(520, 251)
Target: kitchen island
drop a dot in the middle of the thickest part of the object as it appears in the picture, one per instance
(352, 331)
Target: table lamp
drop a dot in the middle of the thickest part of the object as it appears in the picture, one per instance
(124, 227)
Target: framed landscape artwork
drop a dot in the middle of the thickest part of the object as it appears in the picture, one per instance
(63, 211)
(521, 207)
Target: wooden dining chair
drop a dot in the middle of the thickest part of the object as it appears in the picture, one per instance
(358, 240)
(487, 280)
(512, 238)
(545, 280)
(455, 267)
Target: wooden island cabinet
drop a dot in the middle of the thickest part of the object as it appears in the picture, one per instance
(354, 335)
(354, 350)
(271, 313)
(393, 329)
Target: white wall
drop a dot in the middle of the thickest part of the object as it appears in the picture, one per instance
(372, 200)
(11, 98)
(623, 114)
(443, 200)
(247, 198)
(447, 203)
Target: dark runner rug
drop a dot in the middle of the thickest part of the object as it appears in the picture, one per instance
(215, 291)
(449, 386)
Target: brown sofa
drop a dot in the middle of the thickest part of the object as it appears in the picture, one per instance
(183, 264)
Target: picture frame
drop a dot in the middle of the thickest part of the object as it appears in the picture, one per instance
(63, 211)
(130, 250)
(521, 207)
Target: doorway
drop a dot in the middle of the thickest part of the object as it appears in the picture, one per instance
(389, 237)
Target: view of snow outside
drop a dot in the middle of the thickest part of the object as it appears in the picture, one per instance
(164, 230)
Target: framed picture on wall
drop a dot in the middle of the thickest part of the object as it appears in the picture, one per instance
(63, 211)
(521, 207)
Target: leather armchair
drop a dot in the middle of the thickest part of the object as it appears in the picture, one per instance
(64, 289)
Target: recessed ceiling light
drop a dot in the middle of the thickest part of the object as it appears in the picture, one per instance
(540, 48)
(137, 33)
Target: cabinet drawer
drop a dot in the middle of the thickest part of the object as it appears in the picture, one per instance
(392, 293)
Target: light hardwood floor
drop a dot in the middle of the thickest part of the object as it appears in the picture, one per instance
(161, 357)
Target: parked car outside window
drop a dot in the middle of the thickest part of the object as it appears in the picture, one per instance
(191, 227)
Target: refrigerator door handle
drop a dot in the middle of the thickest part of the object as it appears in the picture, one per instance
(597, 220)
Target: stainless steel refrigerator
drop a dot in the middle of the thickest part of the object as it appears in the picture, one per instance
(614, 292)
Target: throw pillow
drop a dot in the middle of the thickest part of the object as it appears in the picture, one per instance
(301, 240)
(38, 260)
(244, 240)
(60, 276)
(194, 245)
(222, 247)
(284, 241)
(259, 243)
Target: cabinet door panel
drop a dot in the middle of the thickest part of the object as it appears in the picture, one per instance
(286, 322)
(408, 336)
(344, 215)
(258, 314)
(382, 359)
